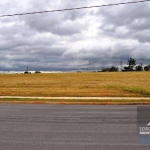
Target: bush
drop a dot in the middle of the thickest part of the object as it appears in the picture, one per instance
(37, 72)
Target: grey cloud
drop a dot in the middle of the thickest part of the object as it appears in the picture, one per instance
(41, 22)
(55, 24)
(68, 28)
(140, 24)
(142, 36)
(65, 40)
(60, 23)
(73, 15)
(108, 56)
(134, 18)
(124, 16)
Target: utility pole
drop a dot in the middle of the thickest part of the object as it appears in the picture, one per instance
(93, 66)
(89, 66)
(121, 65)
(27, 69)
(142, 63)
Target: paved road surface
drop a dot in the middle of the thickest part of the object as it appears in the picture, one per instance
(68, 127)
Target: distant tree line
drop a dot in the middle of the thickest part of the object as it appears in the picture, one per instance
(111, 69)
(131, 66)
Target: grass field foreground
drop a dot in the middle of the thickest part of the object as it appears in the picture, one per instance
(124, 84)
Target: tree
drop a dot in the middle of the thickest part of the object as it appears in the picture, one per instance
(139, 68)
(105, 69)
(131, 64)
(112, 69)
(37, 71)
(147, 68)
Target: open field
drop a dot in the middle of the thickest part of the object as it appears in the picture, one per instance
(119, 84)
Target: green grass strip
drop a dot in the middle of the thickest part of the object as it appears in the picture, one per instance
(73, 100)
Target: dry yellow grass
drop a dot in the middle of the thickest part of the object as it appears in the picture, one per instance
(76, 84)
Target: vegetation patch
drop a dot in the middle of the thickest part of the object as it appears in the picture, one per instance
(139, 90)
(136, 90)
(76, 101)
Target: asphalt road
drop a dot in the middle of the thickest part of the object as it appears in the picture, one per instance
(68, 127)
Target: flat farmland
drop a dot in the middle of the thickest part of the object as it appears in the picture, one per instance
(119, 84)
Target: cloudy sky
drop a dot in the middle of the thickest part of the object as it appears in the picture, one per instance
(78, 39)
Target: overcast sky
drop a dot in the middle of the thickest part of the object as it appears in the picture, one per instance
(101, 37)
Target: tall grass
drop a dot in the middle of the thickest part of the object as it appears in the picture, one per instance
(76, 84)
